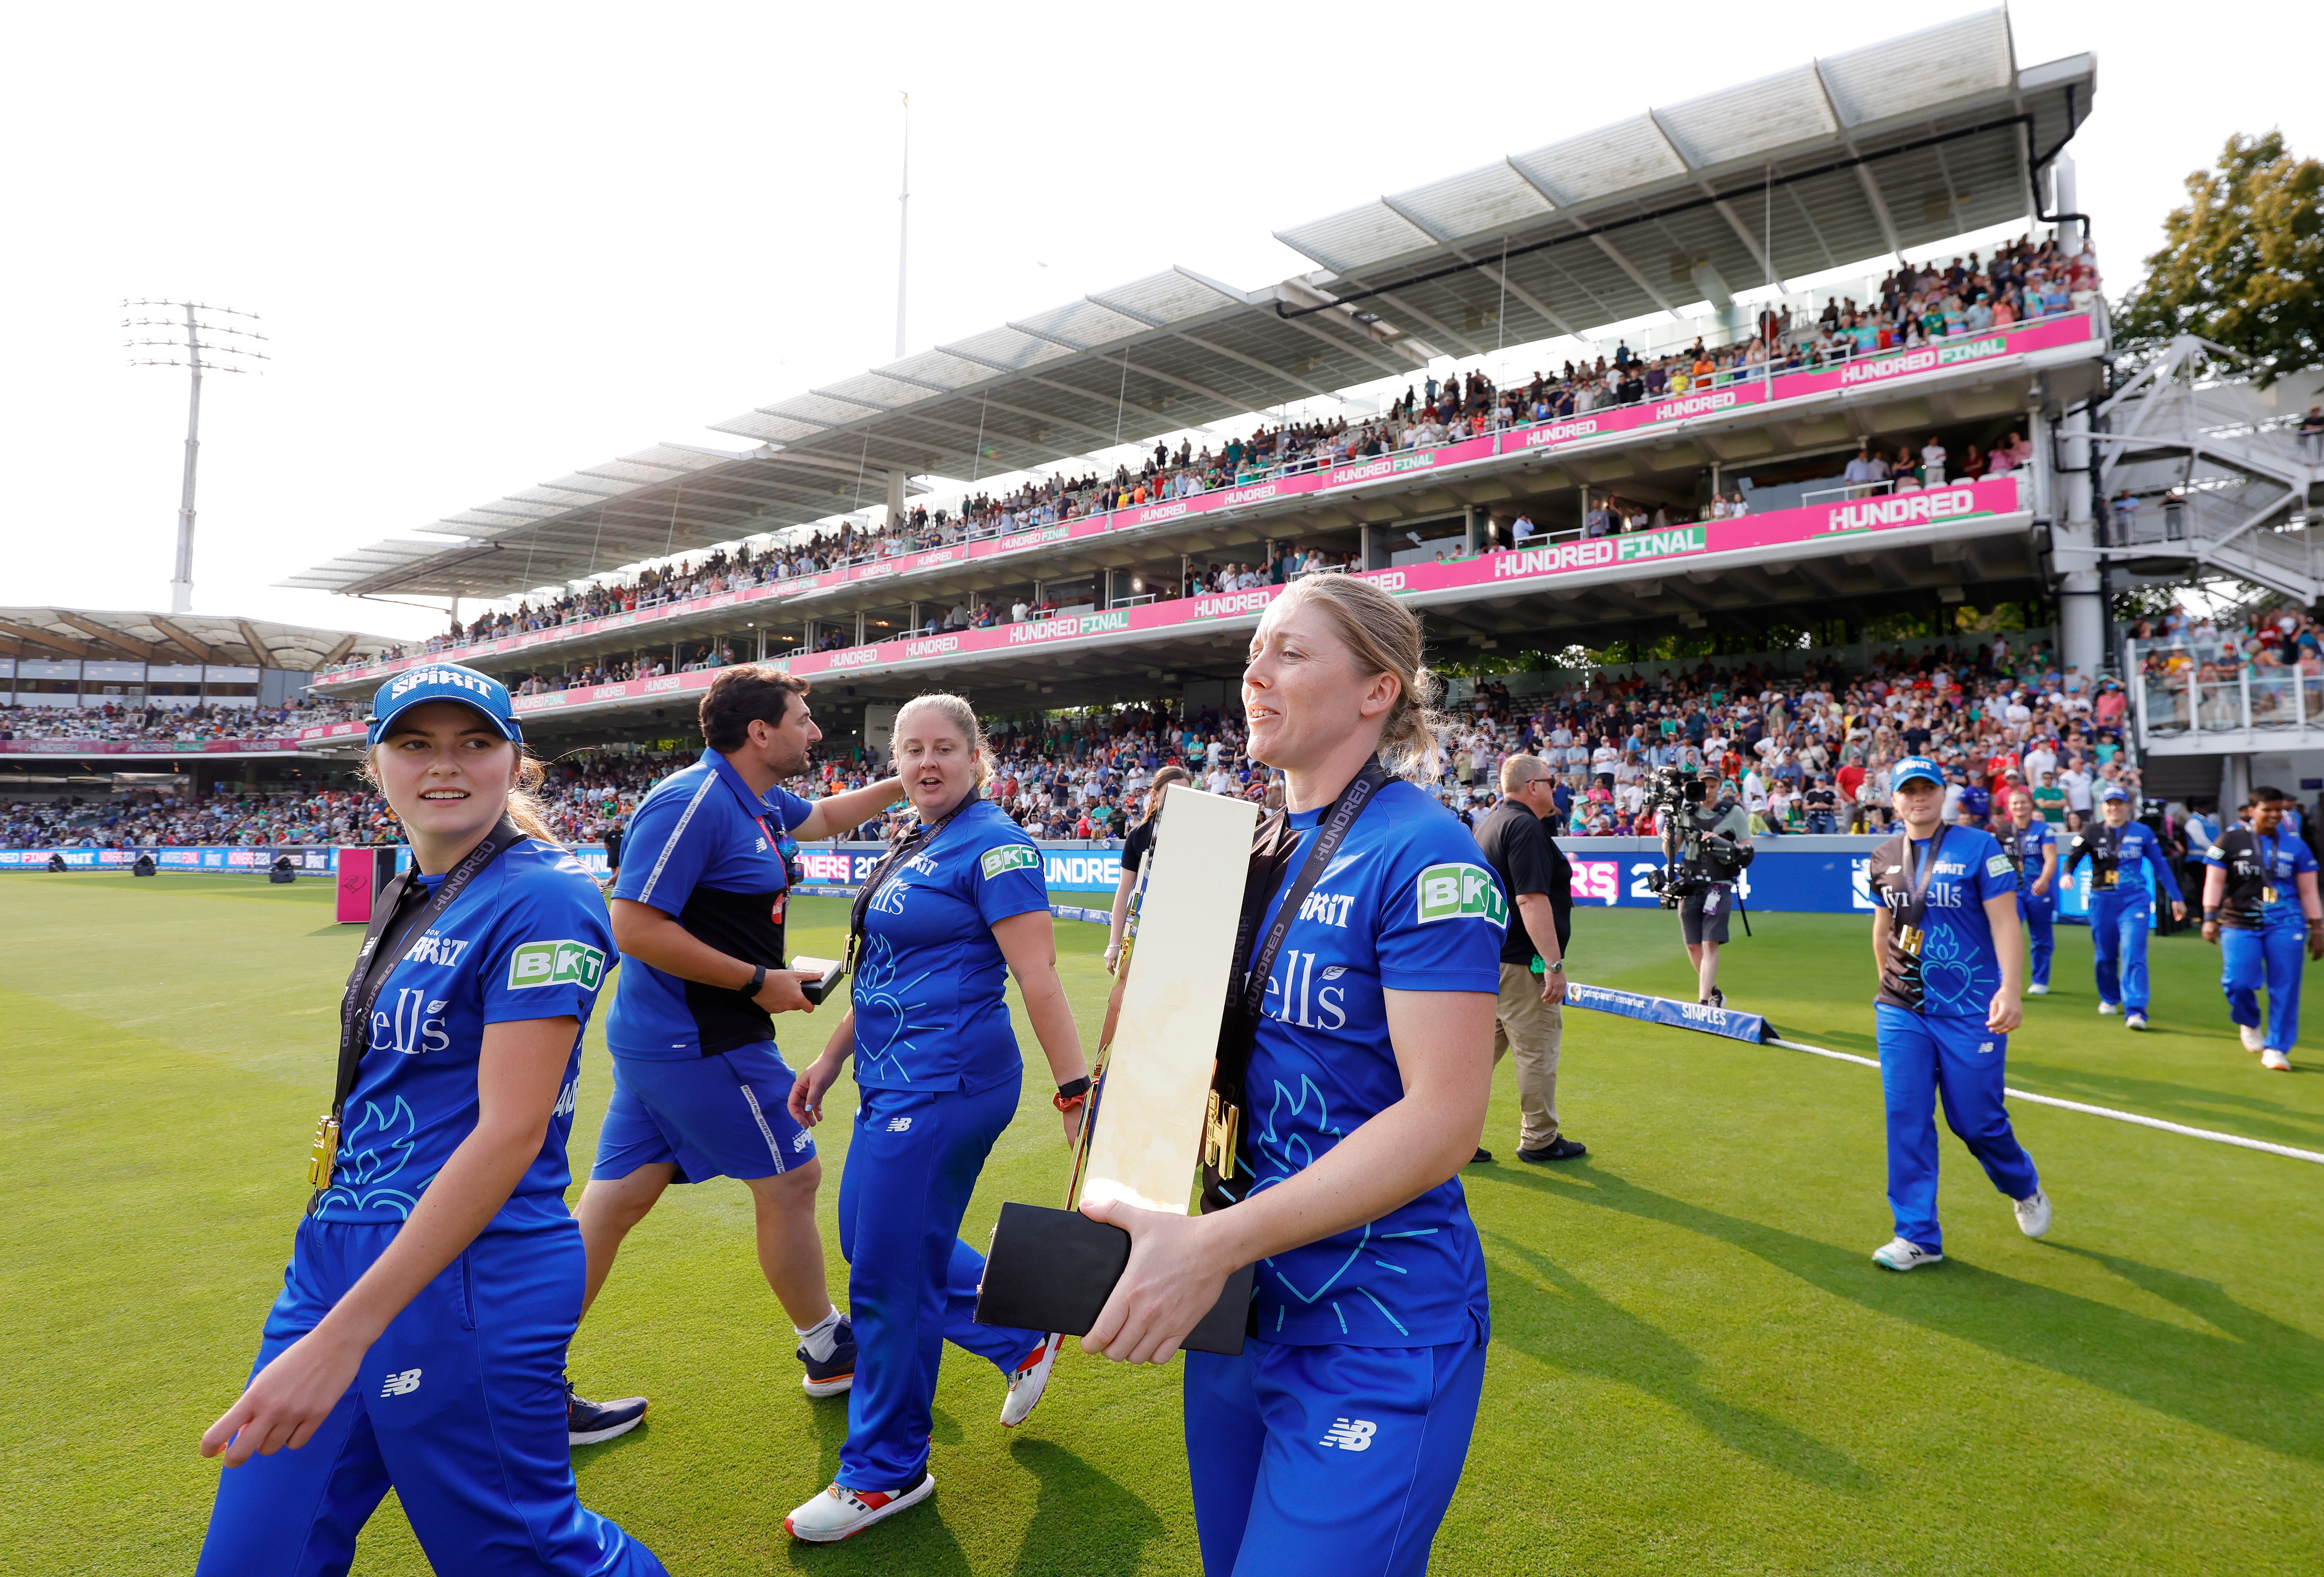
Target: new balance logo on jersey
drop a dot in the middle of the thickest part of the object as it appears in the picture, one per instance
(1347, 1433)
(433, 949)
(403, 1383)
(543, 963)
(899, 1124)
(1328, 908)
(1449, 892)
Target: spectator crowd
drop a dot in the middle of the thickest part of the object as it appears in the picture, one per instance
(1916, 307)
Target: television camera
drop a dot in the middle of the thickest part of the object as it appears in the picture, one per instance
(1694, 861)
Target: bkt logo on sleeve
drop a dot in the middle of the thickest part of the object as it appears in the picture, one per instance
(1449, 892)
(545, 964)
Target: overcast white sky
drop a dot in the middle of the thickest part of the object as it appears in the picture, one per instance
(492, 242)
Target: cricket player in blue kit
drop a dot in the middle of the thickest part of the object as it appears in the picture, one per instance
(2120, 907)
(698, 1086)
(2261, 909)
(419, 1342)
(1334, 1443)
(959, 904)
(2034, 849)
(1950, 963)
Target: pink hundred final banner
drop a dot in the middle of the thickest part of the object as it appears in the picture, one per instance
(1863, 372)
(1935, 506)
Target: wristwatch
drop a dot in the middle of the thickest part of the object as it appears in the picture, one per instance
(1553, 967)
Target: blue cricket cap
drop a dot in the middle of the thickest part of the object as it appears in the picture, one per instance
(2114, 791)
(443, 681)
(1916, 769)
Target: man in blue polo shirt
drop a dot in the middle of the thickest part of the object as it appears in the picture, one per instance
(699, 1091)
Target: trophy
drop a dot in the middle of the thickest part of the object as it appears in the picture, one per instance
(1150, 1111)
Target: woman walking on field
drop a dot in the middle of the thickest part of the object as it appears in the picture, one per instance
(419, 1342)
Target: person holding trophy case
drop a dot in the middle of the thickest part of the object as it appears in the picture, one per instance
(1353, 1068)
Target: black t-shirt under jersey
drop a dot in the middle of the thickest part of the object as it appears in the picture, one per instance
(1526, 859)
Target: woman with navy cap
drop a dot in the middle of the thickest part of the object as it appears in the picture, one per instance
(959, 904)
(419, 1341)
(1951, 961)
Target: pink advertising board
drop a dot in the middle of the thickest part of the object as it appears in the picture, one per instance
(1544, 565)
(1569, 432)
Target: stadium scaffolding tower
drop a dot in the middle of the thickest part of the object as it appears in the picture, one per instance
(1644, 233)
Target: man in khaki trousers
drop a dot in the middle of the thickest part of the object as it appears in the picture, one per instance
(1530, 1019)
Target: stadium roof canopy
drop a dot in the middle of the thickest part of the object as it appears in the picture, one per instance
(1881, 150)
(215, 639)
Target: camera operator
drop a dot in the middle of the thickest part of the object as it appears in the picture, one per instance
(1706, 847)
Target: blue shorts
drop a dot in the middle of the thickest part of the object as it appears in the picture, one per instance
(723, 1116)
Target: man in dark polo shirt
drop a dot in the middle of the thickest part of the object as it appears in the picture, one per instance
(1529, 1019)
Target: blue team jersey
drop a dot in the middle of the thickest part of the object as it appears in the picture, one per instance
(1960, 968)
(2131, 842)
(2270, 859)
(527, 940)
(2029, 844)
(929, 1008)
(1407, 904)
(704, 849)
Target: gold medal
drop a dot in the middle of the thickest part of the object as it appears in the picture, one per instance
(1908, 938)
(326, 1152)
(1219, 1126)
(2266, 894)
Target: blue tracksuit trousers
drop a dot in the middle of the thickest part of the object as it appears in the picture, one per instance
(2272, 959)
(911, 1283)
(459, 1407)
(1921, 1057)
(2118, 922)
(2039, 914)
(1338, 1459)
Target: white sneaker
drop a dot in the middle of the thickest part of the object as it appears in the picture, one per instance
(2255, 1038)
(2108, 1010)
(2275, 1062)
(1897, 1254)
(2037, 990)
(841, 1513)
(2135, 1021)
(2033, 1213)
(1031, 1379)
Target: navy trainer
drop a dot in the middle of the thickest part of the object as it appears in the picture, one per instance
(587, 1423)
(830, 1376)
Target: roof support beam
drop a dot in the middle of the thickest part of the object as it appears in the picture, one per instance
(1627, 267)
(1751, 244)
(104, 637)
(259, 650)
(37, 636)
(346, 644)
(200, 653)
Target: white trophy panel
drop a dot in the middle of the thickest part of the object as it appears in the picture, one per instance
(1148, 1131)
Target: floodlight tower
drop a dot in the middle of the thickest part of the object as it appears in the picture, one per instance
(903, 225)
(227, 354)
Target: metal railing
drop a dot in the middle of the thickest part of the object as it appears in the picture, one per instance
(2200, 699)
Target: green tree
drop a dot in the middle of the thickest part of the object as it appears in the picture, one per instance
(2242, 264)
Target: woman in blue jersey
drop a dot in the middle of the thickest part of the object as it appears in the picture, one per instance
(2260, 909)
(1334, 1443)
(1952, 963)
(959, 903)
(419, 1342)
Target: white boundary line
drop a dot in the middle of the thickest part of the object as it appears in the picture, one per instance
(2215, 1136)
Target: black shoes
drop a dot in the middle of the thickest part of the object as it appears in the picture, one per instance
(1560, 1148)
(588, 1422)
(1482, 1155)
(1717, 998)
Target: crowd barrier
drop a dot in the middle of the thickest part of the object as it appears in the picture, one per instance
(1583, 429)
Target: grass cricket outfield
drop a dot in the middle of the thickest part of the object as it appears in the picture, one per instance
(1695, 1367)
